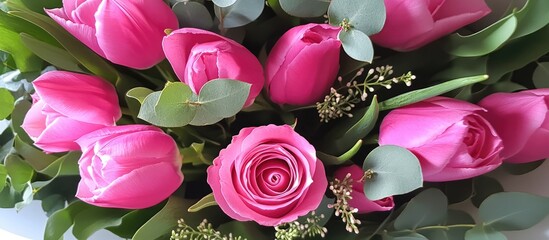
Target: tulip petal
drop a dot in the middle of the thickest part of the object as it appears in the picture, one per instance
(61, 134)
(140, 24)
(35, 122)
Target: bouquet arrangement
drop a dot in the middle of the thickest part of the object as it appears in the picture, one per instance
(277, 119)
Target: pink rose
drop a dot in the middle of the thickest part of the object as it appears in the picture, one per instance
(128, 33)
(66, 106)
(131, 166)
(359, 200)
(412, 24)
(450, 138)
(303, 64)
(522, 121)
(268, 174)
(198, 56)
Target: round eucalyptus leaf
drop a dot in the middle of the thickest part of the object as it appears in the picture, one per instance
(484, 233)
(512, 211)
(224, 3)
(7, 102)
(193, 14)
(541, 75)
(357, 45)
(305, 8)
(365, 16)
(240, 13)
(395, 171)
(426, 209)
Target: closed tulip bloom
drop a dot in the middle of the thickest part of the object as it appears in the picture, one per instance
(303, 64)
(522, 121)
(130, 166)
(450, 137)
(412, 24)
(198, 56)
(128, 33)
(68, 105)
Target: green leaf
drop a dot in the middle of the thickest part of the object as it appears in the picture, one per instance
(396, 171)
(78, 50)
(458, 191)
(365, 16)
(3, 177)
(458, 217)
(511, 211)
(483, 187)
(350, 130)
(193, 155)
(133, 220)
(59, 222)
(304, 8)
(218, 99)
(18, 116)
(169, 108)
(425, 93)
(426, 209)
(485, 41)
(518, 53)
(532, 17)
(19, 172)
(541, 75)
(357, 45)
(7, 103)
(139, 94)
(484, 233)
(193, 14)
(53, 203)
(26, 196)
(224, 3)
(343, 158)
(58, 57)
(240, 13)
(36, 158)
(91, 219)
(205, 202)
(11, 43)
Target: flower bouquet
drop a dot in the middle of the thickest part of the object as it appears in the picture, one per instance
(277, 119)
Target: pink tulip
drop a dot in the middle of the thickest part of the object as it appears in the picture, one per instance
(450, 138)
(128, 33)
(198, 56)
(268, 174)
(359, 200)
(303, 64)
(412, 24)
(68, 105)
(522, 121)
(131, 166)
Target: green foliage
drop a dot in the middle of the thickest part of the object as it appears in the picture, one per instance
(541, 75)
(511, 211)
(224, 3)
(58, 57)
(304, 8)
(7, 103)
(240, 13)
(176, 105)
(365, 16)
(194, 14)
(395, 170)
(425, 93)
(206, 201)
(343, 158)
(357, 45)
(19, 172)
(484, 187)
(427, 208)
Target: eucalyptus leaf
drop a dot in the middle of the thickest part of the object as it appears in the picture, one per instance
(58, 57)
(541, 75)
(485, 41)
(483, 187)
(218, 99)
(484, 233)
(17, 118)
(139, 94)
(240, 13)
(224, 3)
(92, 219)
(365, 16)
(194, 14)
(19, 171)
(427, 208)
(53, 203)
(522, 168)
(357, 45)
(170, 107)
(133, 220)
(425, 93)
(59, 222)
(395, 171)
(193, 155)
(36, 158)
(343, 158)
(511, 211)
(3, 176)
(305, 8)
(7, 103)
